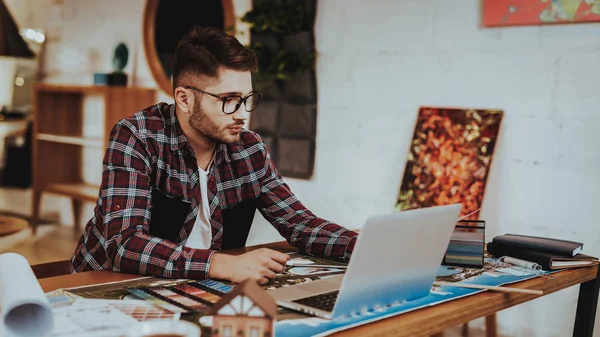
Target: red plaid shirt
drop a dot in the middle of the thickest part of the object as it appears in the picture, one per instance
(149, 152)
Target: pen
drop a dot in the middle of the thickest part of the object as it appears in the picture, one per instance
(486, 287)
(317, 266)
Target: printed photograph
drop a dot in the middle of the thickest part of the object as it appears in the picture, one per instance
(449, 159)
(299, 270)
(493, 268)
(498, 13)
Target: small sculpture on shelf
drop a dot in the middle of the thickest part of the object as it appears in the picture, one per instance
(119, 62)
(120, 58)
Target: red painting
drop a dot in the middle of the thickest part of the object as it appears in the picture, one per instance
(539, 12)
(449, 159)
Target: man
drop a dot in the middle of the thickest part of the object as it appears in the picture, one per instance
(177, 177)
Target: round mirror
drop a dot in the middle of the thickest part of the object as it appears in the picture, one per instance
(166, 21)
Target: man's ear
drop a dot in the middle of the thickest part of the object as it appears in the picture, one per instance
(183, 99)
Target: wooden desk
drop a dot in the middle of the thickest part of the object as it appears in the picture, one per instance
(426, 321)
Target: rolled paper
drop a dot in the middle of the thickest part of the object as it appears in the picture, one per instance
(24, 309)
(520, 263)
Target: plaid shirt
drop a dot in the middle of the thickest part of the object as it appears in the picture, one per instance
(149, 152)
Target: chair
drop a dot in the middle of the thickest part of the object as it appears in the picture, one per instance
(17, 155)
(51, 269)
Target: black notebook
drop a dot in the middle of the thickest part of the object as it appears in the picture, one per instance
(541, 244)
(548, 261)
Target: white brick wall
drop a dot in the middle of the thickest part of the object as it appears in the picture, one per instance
(378, 62)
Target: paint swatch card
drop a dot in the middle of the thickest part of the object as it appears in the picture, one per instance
(104, 318)
(194, 296)
(201, 295)
(60, 298)
(220, 287)
(94, 320)
(142, 311)
(466, 245)
(143, 295)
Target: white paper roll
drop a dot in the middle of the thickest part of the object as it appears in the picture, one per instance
(520, 263)
(24, 309)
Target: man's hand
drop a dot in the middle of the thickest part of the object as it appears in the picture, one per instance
(259, 265)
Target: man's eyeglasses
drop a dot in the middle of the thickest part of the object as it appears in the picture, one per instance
(231, 103)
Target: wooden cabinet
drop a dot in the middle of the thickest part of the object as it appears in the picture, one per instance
(59, 139)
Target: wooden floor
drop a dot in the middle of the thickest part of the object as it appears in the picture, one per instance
(52, 243)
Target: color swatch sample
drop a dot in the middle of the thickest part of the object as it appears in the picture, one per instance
(144, 312)
(176, 299)
(216, 285)
(193, 292)
(194, 296)
(466, 245)
(101, 318)
(60, 299)
(141, 294)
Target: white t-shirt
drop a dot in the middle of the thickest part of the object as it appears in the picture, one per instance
(201, 235)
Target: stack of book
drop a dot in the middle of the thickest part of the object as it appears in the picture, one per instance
(549, 253)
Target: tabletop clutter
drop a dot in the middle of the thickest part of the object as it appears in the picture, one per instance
(245, 309)
(539, 253)
(26, 311)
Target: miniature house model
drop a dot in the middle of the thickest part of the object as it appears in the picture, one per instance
(246, 311)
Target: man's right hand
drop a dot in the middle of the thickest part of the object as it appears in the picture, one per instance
(259, 265)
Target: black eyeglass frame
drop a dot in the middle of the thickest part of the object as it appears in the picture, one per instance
(225, 98)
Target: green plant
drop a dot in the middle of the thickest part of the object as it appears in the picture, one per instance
(279, 65)
(269, 18)
(280, 21)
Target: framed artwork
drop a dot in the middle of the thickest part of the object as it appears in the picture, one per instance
(449, 159)
(498, 13)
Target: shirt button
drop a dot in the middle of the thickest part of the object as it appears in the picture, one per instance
(117, 207)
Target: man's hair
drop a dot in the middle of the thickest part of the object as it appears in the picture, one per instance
(204, 50)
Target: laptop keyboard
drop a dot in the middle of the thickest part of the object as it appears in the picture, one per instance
(322, 301)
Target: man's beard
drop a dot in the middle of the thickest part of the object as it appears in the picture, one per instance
(206, 128)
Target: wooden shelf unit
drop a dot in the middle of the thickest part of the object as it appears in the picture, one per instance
(59, 140)
(92, 142)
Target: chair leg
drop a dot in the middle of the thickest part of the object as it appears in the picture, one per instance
(490, 326)
(464, 331)
(35, 210)
(77, 209)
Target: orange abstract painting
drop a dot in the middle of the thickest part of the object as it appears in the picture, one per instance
(539, 12)
(449, 159)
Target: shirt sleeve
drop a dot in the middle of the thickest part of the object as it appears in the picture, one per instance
(298, 225)
(125, 210)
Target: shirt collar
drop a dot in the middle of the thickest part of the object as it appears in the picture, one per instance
(221, 153)
(178, 140)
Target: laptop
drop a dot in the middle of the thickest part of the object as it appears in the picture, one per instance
(396, 258)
